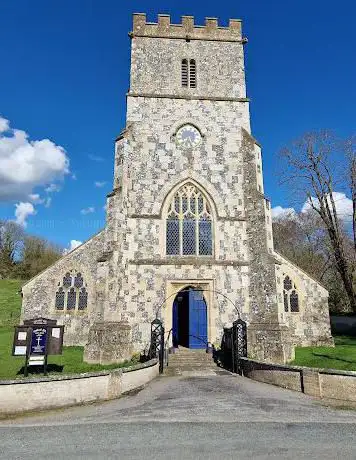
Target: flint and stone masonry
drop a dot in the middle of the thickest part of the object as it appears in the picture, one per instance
(187, 84)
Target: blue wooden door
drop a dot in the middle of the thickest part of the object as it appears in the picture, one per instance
(198, 331)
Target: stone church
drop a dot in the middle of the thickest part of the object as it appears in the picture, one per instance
(188, 237)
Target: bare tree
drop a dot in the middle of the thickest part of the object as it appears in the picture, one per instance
(350, 147)
(23, 255)
(303, 239)
(316, 163)
(37, 254)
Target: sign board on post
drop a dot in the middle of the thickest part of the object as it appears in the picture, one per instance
(36, 339)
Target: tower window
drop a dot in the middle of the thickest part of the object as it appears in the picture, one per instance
(189, 224)
(185, 73)
(189, 73)
(193, 74)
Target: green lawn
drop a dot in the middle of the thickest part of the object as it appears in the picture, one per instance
(342, 357)
(71, 361)
(10, 302)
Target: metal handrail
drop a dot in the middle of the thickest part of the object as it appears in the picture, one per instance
(169, 333)
(166, 354)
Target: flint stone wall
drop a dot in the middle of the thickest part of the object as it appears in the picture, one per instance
(40, 292)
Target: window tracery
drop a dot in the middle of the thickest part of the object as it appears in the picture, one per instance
(290, 296)
(72, 293)
(189, 223)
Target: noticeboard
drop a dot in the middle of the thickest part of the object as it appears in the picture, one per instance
(36, 339)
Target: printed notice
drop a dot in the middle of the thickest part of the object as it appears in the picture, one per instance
(20, 351)
(56, 332)
(21, 336)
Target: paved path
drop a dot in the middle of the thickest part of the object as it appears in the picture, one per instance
(188, 417)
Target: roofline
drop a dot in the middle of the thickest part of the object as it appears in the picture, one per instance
(62, 257)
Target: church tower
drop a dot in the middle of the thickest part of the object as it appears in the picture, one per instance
(189, 232)
(188, 208)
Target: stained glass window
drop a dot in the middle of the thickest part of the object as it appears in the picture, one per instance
(78, 280)
(287, 283)
(286, 303)
(173, 237)
(189, 238)
(60, 299)
(72, 293)
(205, 238)
(67, 280)
(71, 299)
(294, 302)
(189, 224)
(290, 295)
(83, 299)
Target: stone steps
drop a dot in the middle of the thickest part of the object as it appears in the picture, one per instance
(186, 361)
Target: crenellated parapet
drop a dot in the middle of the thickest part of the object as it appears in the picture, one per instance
(187, 29)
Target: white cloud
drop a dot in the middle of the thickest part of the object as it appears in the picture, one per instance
(4, 125)
(53, 188)
(72, 245)
(25, 164)
(278, 212)
(342, 202)
(35, 198)
(74, 176)
(95, 158)
(22, 211)
(100, 184)
(87, 210)
(105, 207)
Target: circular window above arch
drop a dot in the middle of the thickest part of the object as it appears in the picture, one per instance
(188, 137)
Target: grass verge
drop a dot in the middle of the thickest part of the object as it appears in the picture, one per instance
(11, 367)
(70, 362)
(342, 356)
(10, 302)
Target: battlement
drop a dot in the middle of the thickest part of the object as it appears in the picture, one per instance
(187, 29)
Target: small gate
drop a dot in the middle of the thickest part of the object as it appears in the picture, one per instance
(157, 342)
(234, 346)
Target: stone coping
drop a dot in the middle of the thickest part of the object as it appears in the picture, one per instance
(286, 367)
(85, 375)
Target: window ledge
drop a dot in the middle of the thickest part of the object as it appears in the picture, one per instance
(183, 260)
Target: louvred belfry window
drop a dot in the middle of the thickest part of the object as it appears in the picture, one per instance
(189, 73)
(72, 293)
(189, 224)
(185, 73)
(290, 296)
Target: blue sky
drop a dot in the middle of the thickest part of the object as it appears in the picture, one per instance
(65, 71)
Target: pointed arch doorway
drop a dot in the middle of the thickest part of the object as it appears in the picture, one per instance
(189, 315)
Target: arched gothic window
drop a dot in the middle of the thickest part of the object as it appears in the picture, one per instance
(290, 296)
(189, 73)
(72, 293)
(189, 224)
